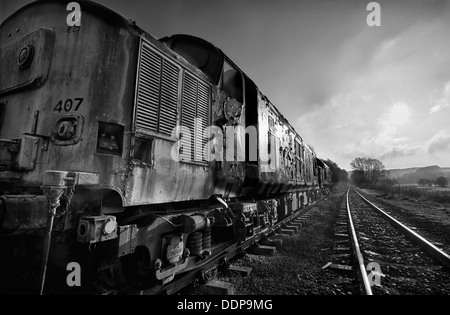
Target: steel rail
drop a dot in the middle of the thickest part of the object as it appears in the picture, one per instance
(426, 245)
(367, 290)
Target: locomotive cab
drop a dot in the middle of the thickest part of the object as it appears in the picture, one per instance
(235, 106)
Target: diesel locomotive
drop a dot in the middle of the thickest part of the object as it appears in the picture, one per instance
(134, 158)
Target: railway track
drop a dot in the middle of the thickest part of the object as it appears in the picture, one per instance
(390, 258)
(399, 260)
(225, 252)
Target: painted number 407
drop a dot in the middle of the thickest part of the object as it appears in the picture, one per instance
(68, 105)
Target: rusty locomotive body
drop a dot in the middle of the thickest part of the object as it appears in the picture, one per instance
(131, 156)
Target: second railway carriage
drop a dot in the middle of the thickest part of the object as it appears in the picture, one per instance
(139, 157)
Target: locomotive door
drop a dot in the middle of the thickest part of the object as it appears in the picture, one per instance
(251, 123)
(233, 108)
(240, 109)
(234, 89)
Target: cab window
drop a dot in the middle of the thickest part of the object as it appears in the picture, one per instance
(232, 82)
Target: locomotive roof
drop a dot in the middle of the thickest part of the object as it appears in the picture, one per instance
(199, 52)
(100, 10)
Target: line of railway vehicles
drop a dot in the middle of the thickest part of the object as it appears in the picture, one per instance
(88, 118)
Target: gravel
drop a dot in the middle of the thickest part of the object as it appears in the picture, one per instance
(429, 218)
(296, 269)
(405, 268)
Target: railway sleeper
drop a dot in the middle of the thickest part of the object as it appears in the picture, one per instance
(272, 242)
(262, 250)
(286, 232)
(291, 227)
(216, 287)
(242, 270)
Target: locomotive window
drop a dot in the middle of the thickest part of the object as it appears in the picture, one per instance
(232, 82)
(271, 143)
(298, 159)
(308, 167)
(271, 123)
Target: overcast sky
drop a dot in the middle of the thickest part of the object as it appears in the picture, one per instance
(349, 89)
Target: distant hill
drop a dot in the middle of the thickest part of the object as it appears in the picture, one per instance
(412, 175)
(396, 173)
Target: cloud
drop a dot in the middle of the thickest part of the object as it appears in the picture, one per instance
(340, 126)
(440, 99)
(382, 140)
(401, 151)
(385, 134)
(384, 48)
(440, 142)
(385, 138)
(397, 115)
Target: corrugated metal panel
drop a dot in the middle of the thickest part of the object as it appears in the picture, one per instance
(157, 93)
(195, 117)
(149, 82)
(188, 114)
(157, 97)
(169, 98)
(203, 102)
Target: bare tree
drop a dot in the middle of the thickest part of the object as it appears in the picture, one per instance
(372, 169)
